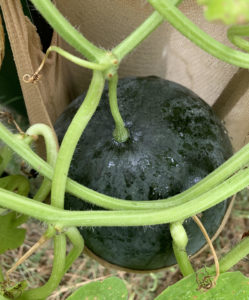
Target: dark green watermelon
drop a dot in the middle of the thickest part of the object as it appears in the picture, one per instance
(175, 141)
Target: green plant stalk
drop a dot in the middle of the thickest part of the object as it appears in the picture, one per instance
(112, 205)
(40, 196)
(76, 60)
(67, 31)
(56, 275)
(120, 133)
(43, 191)
(155, 282)
(72, 136)
(62, 218)
(182, 261)
(49, 138)
(240, 251)
(140, 34)
(136, 37)
(234, 34)
(180, 241)
(78, 245)
(236, 162)
(51, 151)
(15, 183)
(178, 20)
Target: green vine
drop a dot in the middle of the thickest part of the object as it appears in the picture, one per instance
(177, 19)
(132, 41)
(51, 150)
(180, 241)
(72, 136)
(235, 34)
(240, 251)
(78, 245)
(53, 215)
(43, 292)
(227, 169)
(67, 31)
(225, 181)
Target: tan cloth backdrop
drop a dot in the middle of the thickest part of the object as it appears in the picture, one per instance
(165, 53)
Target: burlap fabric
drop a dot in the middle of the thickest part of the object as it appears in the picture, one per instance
(165, 53)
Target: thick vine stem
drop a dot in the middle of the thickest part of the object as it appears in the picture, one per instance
(51, 151)
(67, 31)
(76, 239)
(235, 34)
(140, 34)
(177, 19)
(180, 241)
(240, 251)
(136, 37)
(227, 169)
(54, 215)
(50, 140)
(120, 133)
(72, 136)
(43, 292)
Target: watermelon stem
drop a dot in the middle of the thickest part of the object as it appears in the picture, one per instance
(120, 133)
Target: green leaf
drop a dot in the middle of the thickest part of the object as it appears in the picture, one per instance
(15, 183)
(230, 286)
(11, 237)
(110, 289)
(228, 11)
